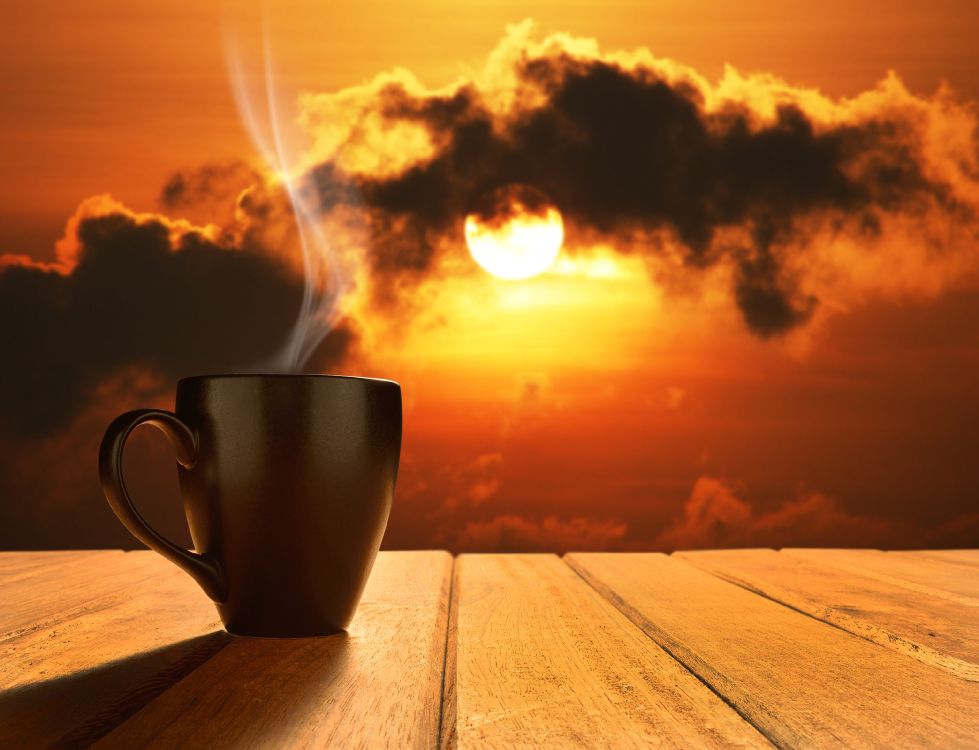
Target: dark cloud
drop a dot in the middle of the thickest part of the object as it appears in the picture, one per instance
(767, 302)
(499, 206)
(139, 295)
(216, 182)
(624, 153)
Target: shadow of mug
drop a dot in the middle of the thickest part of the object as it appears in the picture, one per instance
(287, 483)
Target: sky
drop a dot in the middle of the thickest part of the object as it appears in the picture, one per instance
(760, 330)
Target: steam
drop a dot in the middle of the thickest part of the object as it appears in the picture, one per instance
(325, 283)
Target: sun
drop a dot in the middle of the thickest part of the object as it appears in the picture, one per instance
(516, 234)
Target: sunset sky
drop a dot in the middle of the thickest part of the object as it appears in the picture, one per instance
(760, 329)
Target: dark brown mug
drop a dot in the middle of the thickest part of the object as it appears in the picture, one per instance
(287, 482)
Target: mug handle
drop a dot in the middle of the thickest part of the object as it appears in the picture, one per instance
(202, 568)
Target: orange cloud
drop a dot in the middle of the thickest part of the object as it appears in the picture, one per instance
(511, 533)
(805, 205)
(715, 517)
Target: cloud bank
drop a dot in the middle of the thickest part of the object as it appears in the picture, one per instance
(797, 195)
(806, 202)
(800, 204)
(136, 290)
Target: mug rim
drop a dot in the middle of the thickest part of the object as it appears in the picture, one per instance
(285, 375)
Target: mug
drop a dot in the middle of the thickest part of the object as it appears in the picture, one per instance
(287, 483)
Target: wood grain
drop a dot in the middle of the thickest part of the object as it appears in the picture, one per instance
(932, 629)
(543, 661)
(447, 720)
(803, 682)
(12, 563)
(110, 643)
(378, 686)
(41, 587)
(959, 556)
(923, 574)
(18, 566)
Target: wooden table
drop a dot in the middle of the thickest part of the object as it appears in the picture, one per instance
(754, 648)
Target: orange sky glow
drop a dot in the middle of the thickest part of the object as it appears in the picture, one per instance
(619, 399)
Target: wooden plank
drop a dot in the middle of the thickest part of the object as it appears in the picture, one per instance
(929, 576)
(802, 682)
(101, 658)
(959, 556)
(37, 593)
(932, 629)
(378, 686)
(447, 719)
(15, 559)
(543, 661)
(14, 565)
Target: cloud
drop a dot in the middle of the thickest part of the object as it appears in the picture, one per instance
(751, 172)
(793, 192)
(670, 399)
(714, 516)
(513, 533)
(532, 405)
(472, 483)
(801, 203)
(484, 477)
(498, 207)
(960, 532)
(137, 290)
(209, 192)
(49, 491)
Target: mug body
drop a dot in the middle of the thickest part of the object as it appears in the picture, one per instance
(290, 493)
